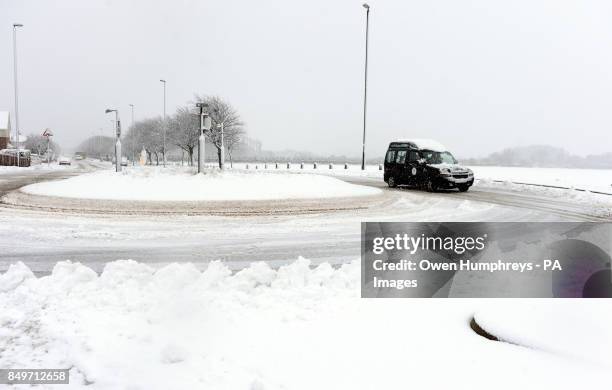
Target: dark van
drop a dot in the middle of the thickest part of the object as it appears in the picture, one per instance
(425, 164)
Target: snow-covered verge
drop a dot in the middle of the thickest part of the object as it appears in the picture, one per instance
(181, 184)
(587, 179)
(53, 167)
(292, 328)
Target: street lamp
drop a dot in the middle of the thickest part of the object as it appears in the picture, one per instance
(132, 147)
(15, 26)
(100, 144)
(132, 106)
(205, 124)
(118, 143)
(365, 88)
(164, 150)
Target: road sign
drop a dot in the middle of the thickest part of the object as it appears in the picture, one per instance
(47, 133)
(207, 125)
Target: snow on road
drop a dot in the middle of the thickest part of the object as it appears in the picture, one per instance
(291, 328)
(176, 184)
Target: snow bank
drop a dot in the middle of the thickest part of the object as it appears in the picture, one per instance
(7, 170)
(174, 184)
(588, 179)
(292, 328)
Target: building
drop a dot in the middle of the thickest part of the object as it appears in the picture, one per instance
(5, 129)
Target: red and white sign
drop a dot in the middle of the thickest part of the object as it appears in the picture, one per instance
(47, 133)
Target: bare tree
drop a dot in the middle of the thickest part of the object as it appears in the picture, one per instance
(183, 130)
(38, 144)
(221, 112)
(147, 134)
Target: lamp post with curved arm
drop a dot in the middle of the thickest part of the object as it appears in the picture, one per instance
(118, 142)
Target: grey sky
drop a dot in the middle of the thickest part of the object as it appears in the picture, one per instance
(476, 75)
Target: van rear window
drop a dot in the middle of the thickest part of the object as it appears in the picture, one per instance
(401, 157)
(390, 156)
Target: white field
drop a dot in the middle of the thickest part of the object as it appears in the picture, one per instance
(295, 328)
(182, 184)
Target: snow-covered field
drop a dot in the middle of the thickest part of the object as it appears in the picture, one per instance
(181, 184)
(293, 328)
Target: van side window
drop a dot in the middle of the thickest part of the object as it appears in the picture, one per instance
(414, 156)
(390, 156)
(401, 157)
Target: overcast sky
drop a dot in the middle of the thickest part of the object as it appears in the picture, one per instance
(478, 76)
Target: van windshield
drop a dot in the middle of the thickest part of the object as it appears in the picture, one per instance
(438, 157)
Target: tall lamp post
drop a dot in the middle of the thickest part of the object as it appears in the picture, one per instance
(132, 107)
(15, 26)
(100, 144)
(205, 124)
(131, 146)
(164, 150)
(365, 87)
(118, 142)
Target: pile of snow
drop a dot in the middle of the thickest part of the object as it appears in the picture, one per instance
(175, 184)
(292, 328)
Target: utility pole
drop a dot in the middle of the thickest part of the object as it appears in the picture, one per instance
(205, 124)
(132, 123)
(100, 145)
(365, 89)
(164, 150)
(133, 147)
(118, 142)
(15, 26)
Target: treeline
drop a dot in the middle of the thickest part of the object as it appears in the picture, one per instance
(543, 156)
(182, 130)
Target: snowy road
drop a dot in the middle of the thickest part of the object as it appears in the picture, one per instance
(40, 239)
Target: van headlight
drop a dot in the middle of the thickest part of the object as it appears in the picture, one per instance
(470, 173)
(445, 172)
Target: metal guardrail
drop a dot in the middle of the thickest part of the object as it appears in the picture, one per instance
(551, 186)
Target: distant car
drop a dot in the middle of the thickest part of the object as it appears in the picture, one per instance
(79, 156)
(64, 161)
(124, 161)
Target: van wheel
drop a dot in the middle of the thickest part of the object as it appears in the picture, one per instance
(430, 186)
(391, 182)
(463, 188)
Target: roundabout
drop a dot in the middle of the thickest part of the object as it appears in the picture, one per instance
(157, 191)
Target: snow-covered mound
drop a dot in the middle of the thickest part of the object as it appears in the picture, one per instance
(296, 328)
(159, 184)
